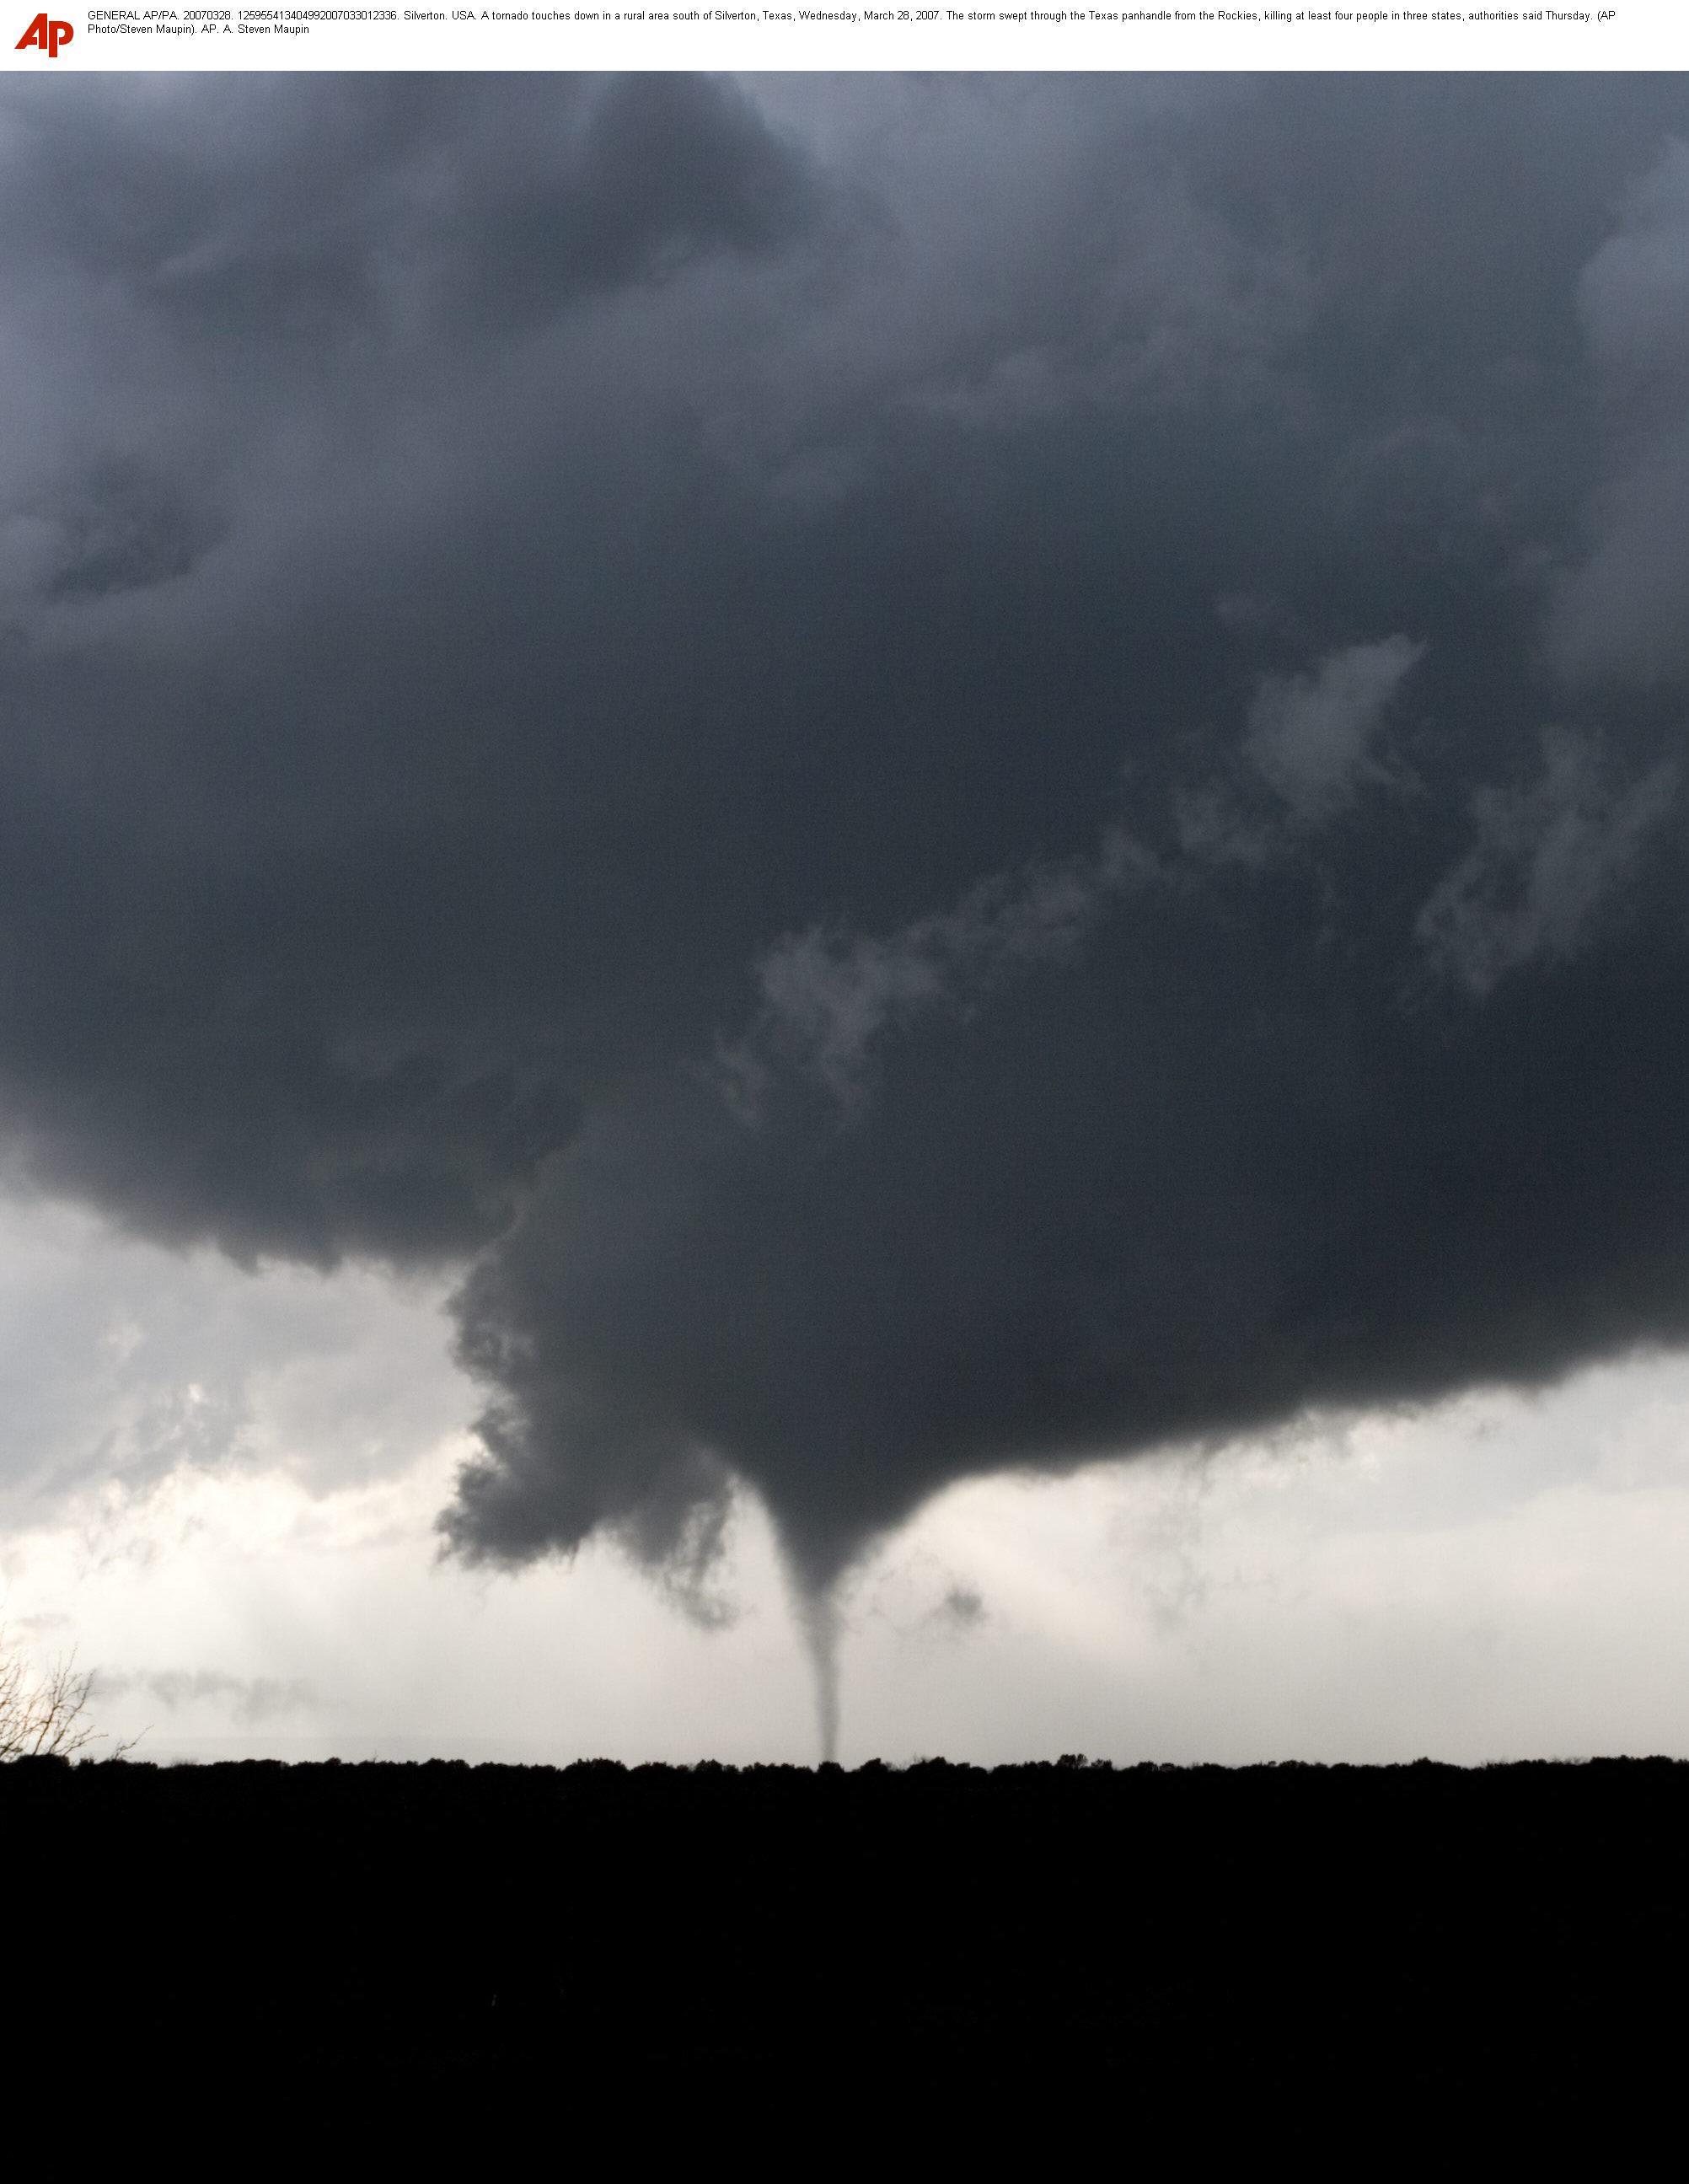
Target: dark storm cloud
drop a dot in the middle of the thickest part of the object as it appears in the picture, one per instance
(288, 845)
(962, 773)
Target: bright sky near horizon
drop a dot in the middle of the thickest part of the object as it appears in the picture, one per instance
(1500, 1577)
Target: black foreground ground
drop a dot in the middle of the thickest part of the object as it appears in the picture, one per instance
(1153, 1943)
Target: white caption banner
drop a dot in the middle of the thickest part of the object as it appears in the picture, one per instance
(1643, 34)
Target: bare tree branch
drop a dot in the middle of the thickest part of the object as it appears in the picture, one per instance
(44, 1716)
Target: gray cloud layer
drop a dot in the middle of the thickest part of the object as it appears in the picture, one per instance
(954, 774)
(250, 1699)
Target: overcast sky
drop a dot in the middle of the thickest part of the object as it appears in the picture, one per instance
(848, 876)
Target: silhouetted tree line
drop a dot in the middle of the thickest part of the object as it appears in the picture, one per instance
(1295, 1939)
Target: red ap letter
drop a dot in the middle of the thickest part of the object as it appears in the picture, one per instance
(46, 38)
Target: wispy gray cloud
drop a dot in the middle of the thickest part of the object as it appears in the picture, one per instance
(249, 1700)
(829, 997)
(1620, 612)
(962, 1609)
(1547, 857)
(1314, 737)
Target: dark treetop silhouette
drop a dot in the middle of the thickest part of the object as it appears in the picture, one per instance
(1295, 1950)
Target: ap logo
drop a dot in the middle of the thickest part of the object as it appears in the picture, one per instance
(46, 37)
